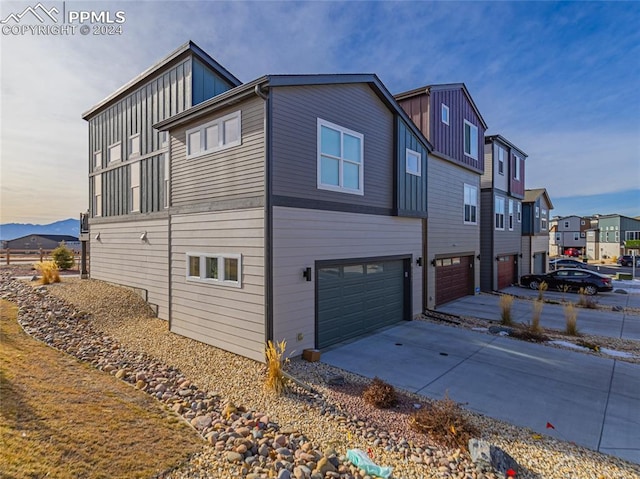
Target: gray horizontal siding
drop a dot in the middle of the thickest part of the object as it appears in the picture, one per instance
(120, 257)
(232, 173)
(224, 316)
(294, 140)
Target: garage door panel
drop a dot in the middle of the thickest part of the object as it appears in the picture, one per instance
(506, 271)
(454, 278)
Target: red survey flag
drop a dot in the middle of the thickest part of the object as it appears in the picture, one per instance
(550, 426)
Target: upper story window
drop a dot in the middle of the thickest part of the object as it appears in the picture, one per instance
(566, 224)
(445, 114)
(97, 195)
(340, 159)
(134, 145)
(499, 213)
(632, 235)
(470, 204)
(164, 139)
(519, 214)
(166, 185)
(224, 269)
(582, 222)
(543, 220)
(97, 160)
(501, 154)
(558, 237)
(510, 215)
(216, 135)
(414, 162)
(135, 187)
(115, 152)
(470, 140)
(516, 169)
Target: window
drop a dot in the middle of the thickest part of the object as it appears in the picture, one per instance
(340, 159)
(221, 269)
(501, 154)
(543, 220)
(617, 237)
(632, 235)
(97, 160)
(566, 224)
(134, 145)
(470, 140)
(499, 213)
(510, 215)
(135, 186)
(582, 234)
(215, 135)
(558, 237)
(164, 139)
(516, 167)
(582, 222)
(165, 186)
(97, 195)
(445, 114)
(576, 236)
(115, 152)
(519, 214)
(414, 162)
(470, 204)
(537, 212)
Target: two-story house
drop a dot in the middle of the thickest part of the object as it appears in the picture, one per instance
(502, 192)
(608, 239)
(293, 208)
(449, 118)
(569, 235)
(536, 208)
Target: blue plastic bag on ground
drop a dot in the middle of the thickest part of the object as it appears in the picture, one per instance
(360, 459)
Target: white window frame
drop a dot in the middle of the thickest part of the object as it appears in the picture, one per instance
(537, 212)
(418, 156)
(222, 142)
(473, 207)
(111, 149)
(519, 212)
(444, 114)
(473, 145)
(498, 209)
(566, 224)
(543, 220)
(339, 188)
(510, 215)
(501, 155)
(164, 139)
(97, 160)
(220, 257)
(166, 184)
(516, 171)
(97, 195)
(134, 141)
(135, 187)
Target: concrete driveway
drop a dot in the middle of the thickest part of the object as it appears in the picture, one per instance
(590, 400)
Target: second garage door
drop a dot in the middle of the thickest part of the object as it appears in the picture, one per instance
(454, 278)
(506, 271)
(356, 298)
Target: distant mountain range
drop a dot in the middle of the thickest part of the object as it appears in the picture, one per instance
(9, 231)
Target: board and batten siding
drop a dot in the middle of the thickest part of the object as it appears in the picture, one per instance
(295, 113)
(411, 192)
(227, 317)
(446, 232)
(303, 236)
(120, 257)
(228, 174)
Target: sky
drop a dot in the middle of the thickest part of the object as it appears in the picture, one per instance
(561, 80)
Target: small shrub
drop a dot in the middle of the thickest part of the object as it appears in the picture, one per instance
(49, 272)
(380, 394)
(614, 259)
(586, 301)
(542, 287)
(63, 257)
(570, 319)
(529, 335)
(445, 423)
(534, 327)
(276, 381)
(506, 302)
(564, 289)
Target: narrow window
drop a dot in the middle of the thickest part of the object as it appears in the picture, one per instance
(193, 143)
(340, 159)
(519, 212)
(543, 220)
(166, 186)
(414, 162)
(97, 195)
(164, 138)
(445, 114)
(134, 146)
(115, 152)
(499, 213)
(97, 160)
(510, 215)
(470, 204)
(135, 187)
(501, 153)
(516, 169)
(470, 140)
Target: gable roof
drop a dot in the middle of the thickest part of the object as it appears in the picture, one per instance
(57, 238)
(172, 57)
(257, 86)
(533, 194)
(425, 90)
(502, 139)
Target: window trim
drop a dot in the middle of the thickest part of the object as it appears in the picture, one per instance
(97, 197)
(166, 182)
(516, 169)
(97, 165)
(132, 139)
(544, 220)
(134, 182)
(338, 188)
(497, 214)
(409, 151)
(471, 142)
(511, 209)
(201, 129)
(464, 208)
(221, 270)
(163, 139)
(444, 108)
(519, 212)
(112, 146)
(501, 159)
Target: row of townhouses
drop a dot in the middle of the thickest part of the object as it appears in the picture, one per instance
(310, 208)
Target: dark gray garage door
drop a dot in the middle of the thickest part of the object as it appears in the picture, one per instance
(539, 263)
(357, 298)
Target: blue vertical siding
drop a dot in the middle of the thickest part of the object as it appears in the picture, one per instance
(411, 190)
(206, 84)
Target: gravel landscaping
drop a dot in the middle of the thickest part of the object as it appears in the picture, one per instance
(251, 433)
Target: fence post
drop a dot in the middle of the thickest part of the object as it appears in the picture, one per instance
(8, 262)
(41, 255)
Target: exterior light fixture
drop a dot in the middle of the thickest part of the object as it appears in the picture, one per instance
(306, 273)
(143, 236)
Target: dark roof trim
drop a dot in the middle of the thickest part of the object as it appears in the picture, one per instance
(532, 195)
(425, 90)
(198, 52)
(502, 139)
(272, 81)
(58, 238)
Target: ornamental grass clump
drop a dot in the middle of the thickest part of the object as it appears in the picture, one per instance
(49, 272)
(542, 287)
(585, 301)
(380, 394)
(534, 327)
(571, 319)
(445, 423)
(506, 303)
(276, 381)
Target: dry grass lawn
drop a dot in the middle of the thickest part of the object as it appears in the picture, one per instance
(60, 418)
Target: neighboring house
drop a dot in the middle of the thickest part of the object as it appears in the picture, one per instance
(612, 232)
(129, 169)
(502, 192)
(536, 208)
(293, 208)
(448, 117)
(36, 242)
(570, 233)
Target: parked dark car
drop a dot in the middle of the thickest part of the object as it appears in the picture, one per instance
(574, 278)
(566, 263)
(627, 260)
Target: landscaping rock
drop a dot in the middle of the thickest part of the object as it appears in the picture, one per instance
(483, 453)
